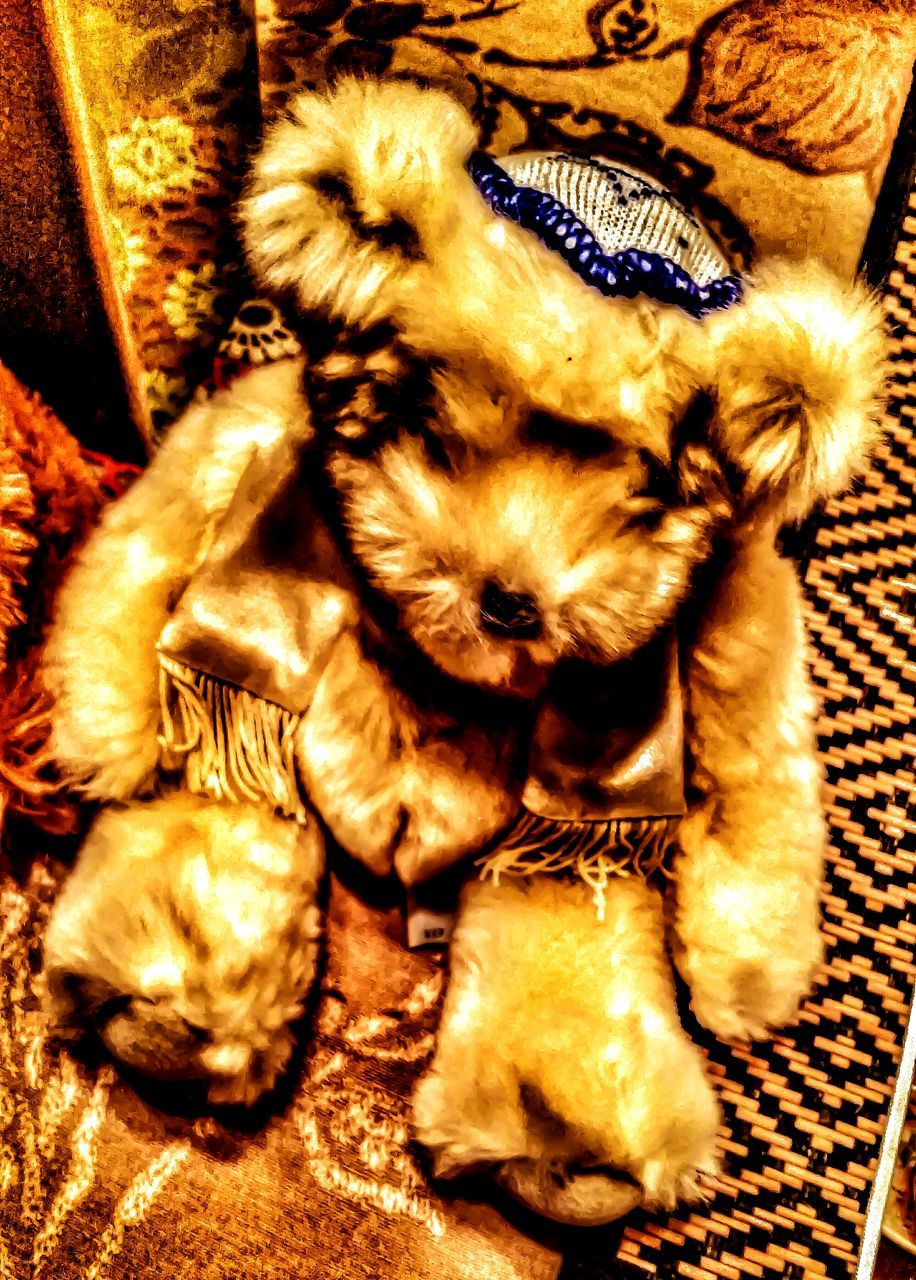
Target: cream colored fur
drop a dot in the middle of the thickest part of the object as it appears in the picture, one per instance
(560, 1044)
(793, 368)
(797, 375)
(749, 876)
(100, 660)
(562, 529)
(189, 930)
(561, 1064)
(397, 787)
(402, 152)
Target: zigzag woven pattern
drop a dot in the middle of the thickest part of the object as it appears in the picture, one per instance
(804, 1114)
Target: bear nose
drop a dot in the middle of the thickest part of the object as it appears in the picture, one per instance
(505, 613)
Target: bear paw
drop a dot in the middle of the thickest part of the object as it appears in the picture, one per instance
(561, 1066)
(584, 1196)
(739, 997)
(187, 936)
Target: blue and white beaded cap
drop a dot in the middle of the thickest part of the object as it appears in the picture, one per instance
(618, 230)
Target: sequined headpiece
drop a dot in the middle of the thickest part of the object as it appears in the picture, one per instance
(618, 230)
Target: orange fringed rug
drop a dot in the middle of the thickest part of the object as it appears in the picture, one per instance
(50, 496)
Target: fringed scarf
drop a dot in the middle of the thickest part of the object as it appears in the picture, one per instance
(604, 791)
(246, 645)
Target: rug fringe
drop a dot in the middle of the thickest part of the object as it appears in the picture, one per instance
(596, 852)
(231, 744)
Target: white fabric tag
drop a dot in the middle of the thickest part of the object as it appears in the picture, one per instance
(427, 927)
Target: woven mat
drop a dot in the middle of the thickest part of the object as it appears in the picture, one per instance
(804, 1115)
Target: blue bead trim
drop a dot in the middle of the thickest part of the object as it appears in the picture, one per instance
(619, 275)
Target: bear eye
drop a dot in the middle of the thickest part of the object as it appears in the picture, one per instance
(440, 452)
(657, 495)
(660, 484)
(643, 512)
(576, 438)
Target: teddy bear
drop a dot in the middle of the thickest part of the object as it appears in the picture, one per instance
(487, 579)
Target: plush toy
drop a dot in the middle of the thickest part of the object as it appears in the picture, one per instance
(489, 578)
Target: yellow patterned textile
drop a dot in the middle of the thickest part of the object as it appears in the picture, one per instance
(160, 101)
(769, 118)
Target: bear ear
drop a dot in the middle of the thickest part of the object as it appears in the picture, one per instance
(798, 370)
(348, 189)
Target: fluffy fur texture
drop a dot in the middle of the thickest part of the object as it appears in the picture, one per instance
(797, 376)
(749, 874)
(100, 661)
(203, 944)
(361, 206)
(481, 419)
(49, 499)
(542, 509)
(400, 788)
(559, 1039)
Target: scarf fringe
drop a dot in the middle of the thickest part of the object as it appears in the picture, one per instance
(236, 746)
(596, 852)
(232, 745)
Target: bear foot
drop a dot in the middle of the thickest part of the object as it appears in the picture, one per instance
(188, 935)
(561, 1066)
